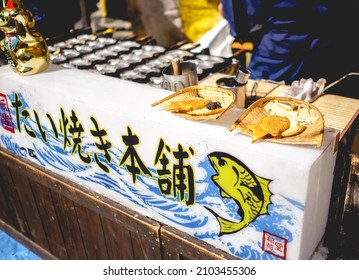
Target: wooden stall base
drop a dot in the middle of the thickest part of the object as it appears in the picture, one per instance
(178, 245)
(59, 219)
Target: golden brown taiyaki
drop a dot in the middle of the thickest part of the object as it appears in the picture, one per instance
(184, 106)
(275, 126)
(270, 125)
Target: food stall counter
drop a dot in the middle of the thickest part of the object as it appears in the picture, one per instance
(258, 200)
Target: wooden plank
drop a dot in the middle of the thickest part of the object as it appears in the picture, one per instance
(125, 244)
(145, 250)
(5, 210)
(23, 187)
(92, 233)
(189, 247)
(14, 202)
(339, 112)
(169, 254)
(50, 221)
(65, 211)
(118, 241)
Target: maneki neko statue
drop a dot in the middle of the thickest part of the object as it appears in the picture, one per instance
(25, 48)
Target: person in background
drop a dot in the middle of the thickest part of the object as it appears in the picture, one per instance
(172, 21)
(296, 39)
(158, 18)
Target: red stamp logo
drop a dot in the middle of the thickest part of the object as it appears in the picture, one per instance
(5, 115)
(274, 244)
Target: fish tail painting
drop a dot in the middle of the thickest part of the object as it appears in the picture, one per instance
(236, 181)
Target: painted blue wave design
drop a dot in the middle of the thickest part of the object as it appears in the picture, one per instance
(297, 204)
(189, 221)
(111, 184)
(52, 153)
(57, 161)
(247, 253)
(12, 146)
(168, 207)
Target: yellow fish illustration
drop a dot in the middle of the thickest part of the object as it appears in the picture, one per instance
(249, 191)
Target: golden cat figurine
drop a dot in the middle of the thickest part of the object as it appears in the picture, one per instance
(25, 48)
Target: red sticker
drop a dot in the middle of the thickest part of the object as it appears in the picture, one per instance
(5, 115)
(274, 245)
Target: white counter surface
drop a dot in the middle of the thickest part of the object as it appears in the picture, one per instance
(40, 120)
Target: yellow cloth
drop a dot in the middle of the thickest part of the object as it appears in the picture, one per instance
(103, 8)
(198, 17)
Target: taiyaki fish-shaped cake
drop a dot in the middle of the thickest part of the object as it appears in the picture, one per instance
(195, 106)
(275, 126)
(25, 48)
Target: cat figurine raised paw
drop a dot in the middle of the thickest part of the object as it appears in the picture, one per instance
(25, 48)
